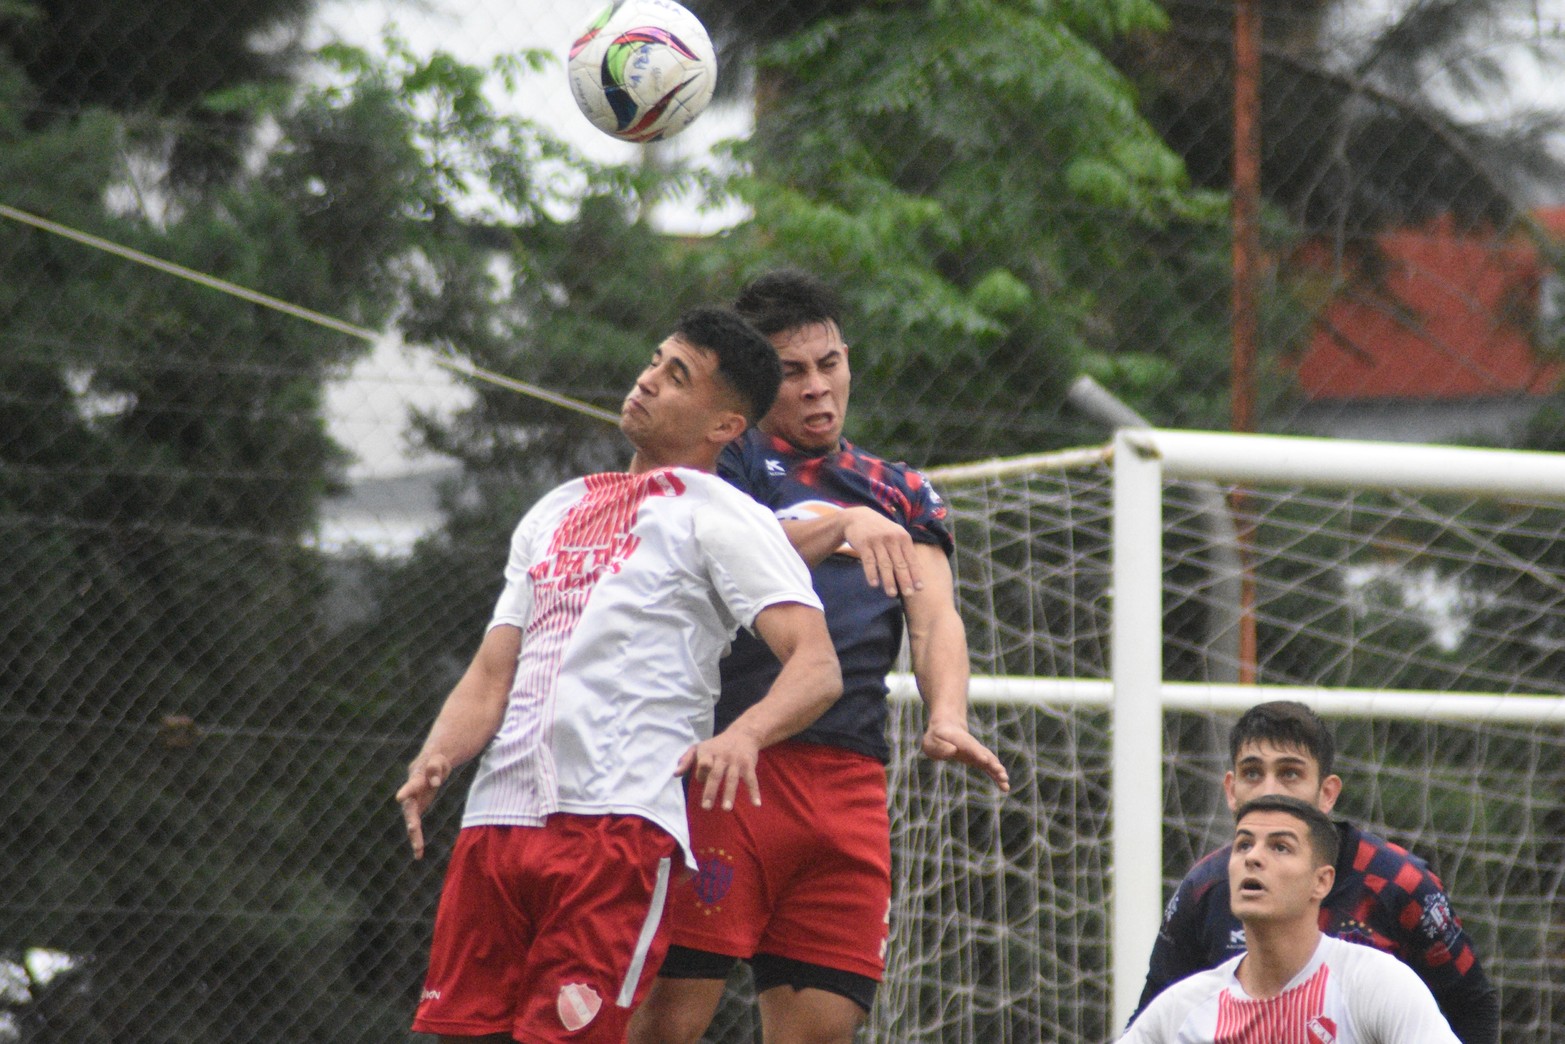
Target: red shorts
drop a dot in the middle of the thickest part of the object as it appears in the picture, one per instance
(548, 933)
(806, 876)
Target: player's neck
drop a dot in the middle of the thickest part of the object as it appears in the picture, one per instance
(643, 461)
(1274, 954)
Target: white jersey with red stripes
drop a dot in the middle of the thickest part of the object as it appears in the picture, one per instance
(1346, 994)
(627, 589)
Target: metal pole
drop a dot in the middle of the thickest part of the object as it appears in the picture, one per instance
(1225, 620)
(1136, 669)
(1246, 259)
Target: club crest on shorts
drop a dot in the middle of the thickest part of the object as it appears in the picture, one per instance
(714, 876)
(577, 1005)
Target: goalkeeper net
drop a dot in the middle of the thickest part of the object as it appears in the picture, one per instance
(1001, 926)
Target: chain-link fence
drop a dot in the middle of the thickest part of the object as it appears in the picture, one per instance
(218, 645)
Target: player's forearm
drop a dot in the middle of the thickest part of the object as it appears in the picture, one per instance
(461, 731)
(472, 713)
(938, 647)
(817, 539)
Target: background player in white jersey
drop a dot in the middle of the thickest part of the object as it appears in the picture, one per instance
(594, 685)
(1293, 985)
(1384, 896)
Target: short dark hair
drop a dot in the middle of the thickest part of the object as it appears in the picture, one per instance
(746, 362)
(1323, 836)
(786, 299)
(1284, 723)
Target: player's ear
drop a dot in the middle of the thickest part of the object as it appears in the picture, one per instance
(726, 426)
(1228, 791)
(1330, 788)
(1325, 877)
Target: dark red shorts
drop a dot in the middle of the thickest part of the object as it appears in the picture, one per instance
(549, 933)
(806, 876)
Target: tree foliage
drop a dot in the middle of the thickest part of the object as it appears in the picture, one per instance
(1378, 128)
(162, 465)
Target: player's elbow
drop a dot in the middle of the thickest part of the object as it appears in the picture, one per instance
(825, 675)
(831, 680)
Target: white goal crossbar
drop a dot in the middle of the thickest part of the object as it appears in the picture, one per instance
(1136, 695)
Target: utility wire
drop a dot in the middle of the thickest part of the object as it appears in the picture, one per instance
(449, 360)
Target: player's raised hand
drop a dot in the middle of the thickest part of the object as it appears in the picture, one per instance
(884, 547)
(950, 741)
(720, 764)
(425, 775)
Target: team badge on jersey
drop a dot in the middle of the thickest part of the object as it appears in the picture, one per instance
(1438, 923)
(577, 1005)
(1321, 1030)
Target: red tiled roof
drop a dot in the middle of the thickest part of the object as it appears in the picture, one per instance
(1451, 320)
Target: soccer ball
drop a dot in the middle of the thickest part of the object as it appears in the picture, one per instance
(642, 70)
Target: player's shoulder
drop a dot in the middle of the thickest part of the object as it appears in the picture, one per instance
(1375, 859)
(1208, 870)
(873, 463)
(1189, 908)
(706, 490)
(553, 503)
(1169, 1010)
(1367, 973)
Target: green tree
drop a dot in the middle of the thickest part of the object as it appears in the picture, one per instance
(1364, 129)
(169, 687)
(160, 63)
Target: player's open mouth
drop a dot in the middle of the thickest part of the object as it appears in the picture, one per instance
(1251, 886)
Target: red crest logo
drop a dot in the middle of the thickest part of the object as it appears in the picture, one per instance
(577, 1005)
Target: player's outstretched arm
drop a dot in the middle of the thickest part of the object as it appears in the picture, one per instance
(810, 681)
(938, 643)
(466, 723)
(884, 546)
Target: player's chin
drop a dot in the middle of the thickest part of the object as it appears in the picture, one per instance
(1255, 905)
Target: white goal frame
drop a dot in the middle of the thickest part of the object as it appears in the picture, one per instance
(1142, 460)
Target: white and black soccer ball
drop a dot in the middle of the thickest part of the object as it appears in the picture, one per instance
(642, 70)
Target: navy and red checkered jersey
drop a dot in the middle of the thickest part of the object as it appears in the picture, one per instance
(865, 623)
(1383, 896)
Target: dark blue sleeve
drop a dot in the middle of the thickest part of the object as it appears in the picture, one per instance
(926, 512)
(1429, 937)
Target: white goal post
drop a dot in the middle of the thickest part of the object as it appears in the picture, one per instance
(1135, 694)
(1143, 459)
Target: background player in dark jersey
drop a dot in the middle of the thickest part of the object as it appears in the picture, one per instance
(1383, 895)
(801, 887)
